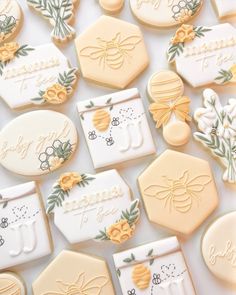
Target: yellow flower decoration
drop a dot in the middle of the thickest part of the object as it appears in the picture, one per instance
(184, 15)
(233, 71)
(55, 94)
(184, 34)
(68, 180)
(120, 232)
(8, 50)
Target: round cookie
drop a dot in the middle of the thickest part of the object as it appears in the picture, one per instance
(169, 107)
(165, 13)
(10, 19)
(10, 283)
(111, 6)
(219, 248)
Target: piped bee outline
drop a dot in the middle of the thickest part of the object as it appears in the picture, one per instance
(4, 222)
(110, 141)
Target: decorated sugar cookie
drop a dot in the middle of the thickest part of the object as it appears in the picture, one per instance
(178, 191)
(219, 248)
(217, 131)
(60, 14)
(11, 284)
(154, 268)
(74, 273)
(10, 19)
(169, 107)
(204, 55)
(111, 6)
(225, 8)
(24, 232)
(111, 52)
(95, 207)
(116, 128)
(37, 143)
(35, 75)
(165, 13)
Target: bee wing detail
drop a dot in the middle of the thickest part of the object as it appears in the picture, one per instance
(197, 184)
(129, 43)
(93, 52)
(95, 285)
(184, 177)
(158, 191)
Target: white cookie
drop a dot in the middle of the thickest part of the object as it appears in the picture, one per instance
(34, 75)
(37, 143)
(24, 232)
(225, 8)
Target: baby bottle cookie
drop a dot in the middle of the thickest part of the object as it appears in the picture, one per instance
(169, 107)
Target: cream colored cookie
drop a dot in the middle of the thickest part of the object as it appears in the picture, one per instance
(11, 284)
(219, 248)
(165, 13)
(169, 107)
(11, 19)
(74, 273)
(111, 52)
(225, 8)
(178, 191)
(111, 6)
(60, 14)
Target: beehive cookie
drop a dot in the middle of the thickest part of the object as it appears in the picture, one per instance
(10, 284)
(169, 107)
(155, 268)
(11, 19)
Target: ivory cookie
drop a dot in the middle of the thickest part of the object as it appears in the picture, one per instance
(74, 273)
(24, 232)
(116, 128)
(60, 14)
(111, 6)
(204, 55)
(10, 19)
(154, 268)
(96, 207)
(217, 131)
(225, 8)
(165, 13)
(112, 52)
(34, 75)
(219, 248)
(37, 143)
(11, 284)
(169, 107)
(178, 191)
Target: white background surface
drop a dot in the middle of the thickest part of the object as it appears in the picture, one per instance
(36, 31)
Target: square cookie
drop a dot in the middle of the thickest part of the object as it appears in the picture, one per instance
(116, 128)
(24, 233)
(225, 8)
(155, 268)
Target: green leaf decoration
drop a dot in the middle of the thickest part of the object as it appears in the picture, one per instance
(64, 150)
(174, 51)
(131, 215)
(129, 259)
(199, 31)
(150, 253)
(194, 6)
(102, 236)
(224, 77)
(4, 204)
(58, 195)
(118, 272)
(67, 79)
(7, 25)
(91, 105)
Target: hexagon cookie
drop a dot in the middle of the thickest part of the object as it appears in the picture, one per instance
(112, 52)
(34, 75)
(74, 273)
(178, 191)
(204, 55)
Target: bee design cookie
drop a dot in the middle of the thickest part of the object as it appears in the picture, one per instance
(24, 232)
(178, 191)
(11, 284)
(204, 55)
(217, 131)
(11, 19)
(154, 268)
(35, 75)
(95, 207)
(37, 143)
(111, 52)
(60, 14)
(225, 8)
(116, 128)
(219, 248)
(165, 13)
(169, 107)
(73, 272)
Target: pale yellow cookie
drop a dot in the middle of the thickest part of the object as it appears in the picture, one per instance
(111, 6)
(11, 284)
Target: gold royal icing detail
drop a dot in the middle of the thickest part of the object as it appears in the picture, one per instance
(101, 120)
(141, 276)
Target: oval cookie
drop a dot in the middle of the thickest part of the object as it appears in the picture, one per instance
(10, 19)
(165, 13)
(11, 284)
(37, 143)
(111, 6)
(219, 248)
